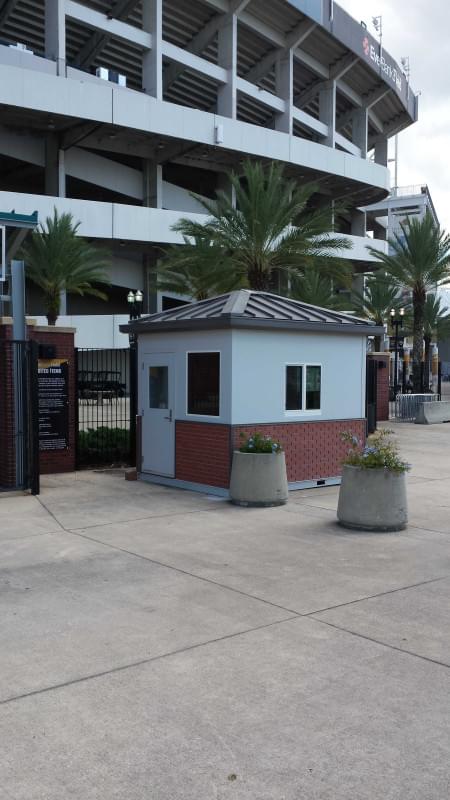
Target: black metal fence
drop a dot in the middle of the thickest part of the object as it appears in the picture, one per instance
(19, 416)
(106, 407)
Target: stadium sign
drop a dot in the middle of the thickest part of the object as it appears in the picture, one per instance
(391, 72)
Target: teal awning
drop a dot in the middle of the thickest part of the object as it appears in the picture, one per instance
(12, 220)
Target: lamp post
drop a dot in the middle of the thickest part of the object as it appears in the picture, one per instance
(135, 300)
(396, 322)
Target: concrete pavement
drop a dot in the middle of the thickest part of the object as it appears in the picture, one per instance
(161, 644)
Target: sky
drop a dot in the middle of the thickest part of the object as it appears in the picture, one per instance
(420, 30)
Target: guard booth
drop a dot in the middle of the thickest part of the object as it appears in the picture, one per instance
(212, 371)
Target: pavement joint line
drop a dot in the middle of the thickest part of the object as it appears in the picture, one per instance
(141, 519)
(428, 530)
(377, 596)
(381, 643)
(144, 661)
(28, 536)
(239, 591)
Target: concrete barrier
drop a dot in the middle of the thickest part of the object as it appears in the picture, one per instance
(430, 413)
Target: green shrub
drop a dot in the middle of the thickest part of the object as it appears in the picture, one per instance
(257, 443)
(379, 452)
(104, 445)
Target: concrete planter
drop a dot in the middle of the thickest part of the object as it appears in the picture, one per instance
(258, 479)
(372, 499)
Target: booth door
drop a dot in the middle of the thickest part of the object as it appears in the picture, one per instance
(158, 425)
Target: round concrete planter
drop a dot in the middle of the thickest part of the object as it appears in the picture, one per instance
(372, 499)
(258, 479)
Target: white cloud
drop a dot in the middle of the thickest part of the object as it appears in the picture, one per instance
(420, 30)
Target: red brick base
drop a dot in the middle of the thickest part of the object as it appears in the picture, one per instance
(314, 450)
(203, 453)
(382, 385)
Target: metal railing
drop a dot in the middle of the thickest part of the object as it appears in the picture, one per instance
(407, 405)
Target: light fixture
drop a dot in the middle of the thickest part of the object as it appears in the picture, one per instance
(392, 313)
(138, 296)
(402, 312)
(130, 297)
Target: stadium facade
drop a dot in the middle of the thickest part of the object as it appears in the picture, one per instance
(116, 110)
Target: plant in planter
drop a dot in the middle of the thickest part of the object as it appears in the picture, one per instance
(258, 473)
(372, 496)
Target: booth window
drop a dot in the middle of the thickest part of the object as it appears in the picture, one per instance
(313, 377)
(294, 390)
(303, 387)
(203, 384)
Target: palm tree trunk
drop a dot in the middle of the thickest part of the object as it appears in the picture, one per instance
(419, 296)
(52, 304)
(426, 366)
(377, 344)
(258, 280)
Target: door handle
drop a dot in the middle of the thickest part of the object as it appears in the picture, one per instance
(170, 416)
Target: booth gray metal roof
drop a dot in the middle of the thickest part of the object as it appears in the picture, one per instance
(250, 309)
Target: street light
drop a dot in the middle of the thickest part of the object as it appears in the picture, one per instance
(135, 300)
(396, 322)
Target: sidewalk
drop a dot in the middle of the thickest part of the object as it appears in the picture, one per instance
(162, 645)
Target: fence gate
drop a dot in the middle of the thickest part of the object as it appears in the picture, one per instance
(106, 407)
(19, 416)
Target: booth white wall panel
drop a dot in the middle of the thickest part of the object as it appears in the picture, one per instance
(179, 344)
(259, 361)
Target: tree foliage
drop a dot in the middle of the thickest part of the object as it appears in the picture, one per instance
(269, 228)
(58, 260)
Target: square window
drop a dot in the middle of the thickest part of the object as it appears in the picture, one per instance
(203, 378)
(313, 388)
(294, 388)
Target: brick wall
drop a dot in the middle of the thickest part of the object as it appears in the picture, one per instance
(63, 341)
(314, 450)
(382, 385)
(203, 453)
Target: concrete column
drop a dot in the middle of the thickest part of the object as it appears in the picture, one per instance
(359, 130)
(381, 152)
(227, 58)
(152, 63)
(358, 223)
(224, 184)
(153, 184)
(284, 83)
(55, 175)
(358, 283)
(55, 34)
(327, 110)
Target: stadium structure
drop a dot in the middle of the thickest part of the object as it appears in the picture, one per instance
(116, 110)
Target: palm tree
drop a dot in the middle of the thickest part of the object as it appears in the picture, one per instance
(199, 269)
(269, 229)
(436, 324)
(419, 261)
(317, 290)
(58, 260)
(380, 296)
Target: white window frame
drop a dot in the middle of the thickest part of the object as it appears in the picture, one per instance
(203, 416)
(302, 412)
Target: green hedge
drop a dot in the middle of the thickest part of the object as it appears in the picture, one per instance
(104, 446)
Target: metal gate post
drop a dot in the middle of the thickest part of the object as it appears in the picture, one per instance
(33, 418)
(133, 402)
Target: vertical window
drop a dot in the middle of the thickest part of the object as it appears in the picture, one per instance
(294, 388)
(159, 387)
(203, 384)
(313, 381)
